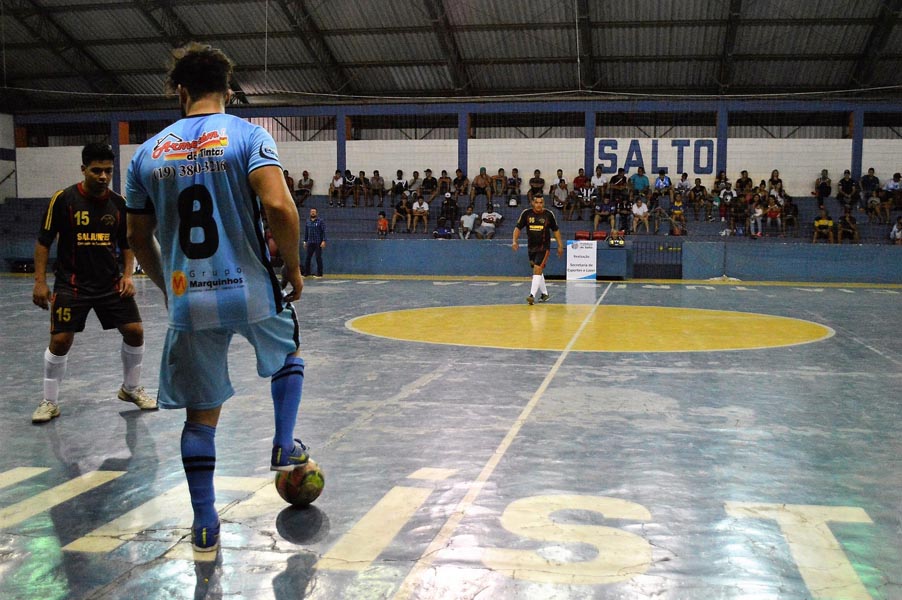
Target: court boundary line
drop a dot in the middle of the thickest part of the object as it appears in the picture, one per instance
(426, 559)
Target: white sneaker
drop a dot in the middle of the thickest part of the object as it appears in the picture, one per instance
(45, 411)
(139, 397)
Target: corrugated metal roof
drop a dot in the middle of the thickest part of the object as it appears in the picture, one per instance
(528, 77)
(370, 47)
(86, 24)
(486, 45)
(680, 75)
(523, 12)
(239, 17)
(126, 56)
(679, 41)
(790, 39)
(146, 84)
(786, 73)
(659, 10)
(781, 10)
(367, 16)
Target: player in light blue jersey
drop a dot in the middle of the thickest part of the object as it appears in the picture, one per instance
(201, 185)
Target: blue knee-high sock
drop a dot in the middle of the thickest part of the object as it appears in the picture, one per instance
(199, 460)
(286, 398)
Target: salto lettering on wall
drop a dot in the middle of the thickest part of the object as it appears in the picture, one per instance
(674, 155)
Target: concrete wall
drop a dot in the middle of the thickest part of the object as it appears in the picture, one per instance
(41, 171)
(8, 145)
(793, 262)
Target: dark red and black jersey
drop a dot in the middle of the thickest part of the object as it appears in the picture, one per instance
(538, 228)
(90, 231)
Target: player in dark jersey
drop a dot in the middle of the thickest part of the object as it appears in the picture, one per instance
(539, 224)
(89, 221)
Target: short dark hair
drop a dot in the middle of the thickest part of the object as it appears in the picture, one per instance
(201, 69)
(96, 151)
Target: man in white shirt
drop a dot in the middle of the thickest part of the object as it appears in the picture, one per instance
(420, 213)
(640, 214)
(599, 181)
(489, 220)
(467, 223)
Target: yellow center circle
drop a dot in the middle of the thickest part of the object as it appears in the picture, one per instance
(609, 328)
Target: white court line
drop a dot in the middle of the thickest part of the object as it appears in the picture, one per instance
(408, 586)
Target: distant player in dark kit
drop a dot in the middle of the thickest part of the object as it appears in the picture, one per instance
(540, 224)
(89, 221)
(200, 240)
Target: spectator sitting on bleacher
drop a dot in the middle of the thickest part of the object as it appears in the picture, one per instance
(335, 187)
(499, 183)
(725, 197)
(720, 182)
(402, 212)
(467, 223)
(701, 202)
(442, 231)
(430, 187)
(790, 212)
(489, 220)
(847, 190)
(449, 210)
(895, 235)
(377, 188)
(892, 195)
(638, 183)
(683, 186)
(536, 185)
(640, 214)
(739, 216)
(604, 211)
(513, 185)
(773, 212)
(349, 188)
(414, 185)
(560, 195)
(398, 186)
(361, 188)
(420, 209)
(624, 214)
(774, 180)
(779, 194)
(677, 212)
(482, 186)
(756, 218)
(305, 188)
(823, 187)
(460, 185)
(848, 227)
(868, 184)
(745, 186)
(444, 184)
(823, 227)
(663, 187)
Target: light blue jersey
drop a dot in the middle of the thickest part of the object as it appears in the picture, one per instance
(194, 177)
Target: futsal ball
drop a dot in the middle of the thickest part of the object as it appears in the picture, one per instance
(301, 486)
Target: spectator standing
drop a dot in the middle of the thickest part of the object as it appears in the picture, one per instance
(314, 243)
(701, 202)
(619, 186)
(289, 180)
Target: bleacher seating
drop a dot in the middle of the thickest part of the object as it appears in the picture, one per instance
(20, 220)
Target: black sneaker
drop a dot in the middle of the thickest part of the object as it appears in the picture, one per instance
(544, 298)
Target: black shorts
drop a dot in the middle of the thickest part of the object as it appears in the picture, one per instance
(68, 312)
(538, 257)
(479, 191)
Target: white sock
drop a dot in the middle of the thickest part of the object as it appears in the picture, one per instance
(54, 371)
(542, 288)
(132, 357)
(536, 282)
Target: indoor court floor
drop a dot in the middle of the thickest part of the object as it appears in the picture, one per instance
(645, 439)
